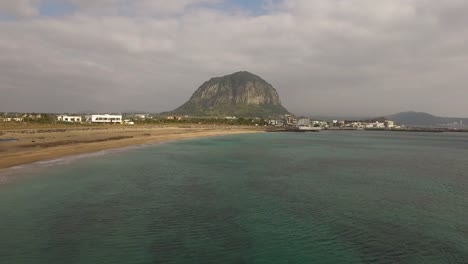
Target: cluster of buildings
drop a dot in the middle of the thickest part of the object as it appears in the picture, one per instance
(289, 120)
(178, 118)
(454, 124)
(105, 118)
(127, 118)
(11, 119)
(17, 117)
(280, 121)
(285, 120)
(367, 124)
(94, 119)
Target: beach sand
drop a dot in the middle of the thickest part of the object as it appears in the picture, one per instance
(23, 146)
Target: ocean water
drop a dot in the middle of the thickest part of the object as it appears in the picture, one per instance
(328, 197)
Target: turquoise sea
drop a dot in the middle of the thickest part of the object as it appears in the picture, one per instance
(328, 197)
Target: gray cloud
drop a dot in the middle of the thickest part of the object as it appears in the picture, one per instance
(359, 57)
(18, 8)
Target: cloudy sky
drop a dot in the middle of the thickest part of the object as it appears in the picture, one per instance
(325, 57)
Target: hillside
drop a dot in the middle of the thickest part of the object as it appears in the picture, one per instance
(412, 118)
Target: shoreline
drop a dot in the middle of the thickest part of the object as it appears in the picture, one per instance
(49, 146)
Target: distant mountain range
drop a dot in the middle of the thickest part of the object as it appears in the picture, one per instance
(412, 118)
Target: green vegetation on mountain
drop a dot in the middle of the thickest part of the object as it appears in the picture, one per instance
(239, 94)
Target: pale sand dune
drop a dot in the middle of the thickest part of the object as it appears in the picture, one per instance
(43, 144)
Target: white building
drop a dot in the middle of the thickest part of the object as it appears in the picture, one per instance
(275, 122)
(12, 119)
(389, 124)
(67, 118)
(304, 122)
(104, 119)
(140, 116)
(377, 124)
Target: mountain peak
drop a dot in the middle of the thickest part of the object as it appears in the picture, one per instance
(244, 75)
(240, 94)
(237, 78)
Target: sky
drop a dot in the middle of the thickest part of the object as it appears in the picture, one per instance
(324, 57)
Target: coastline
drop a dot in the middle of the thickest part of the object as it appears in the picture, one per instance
(39, 146)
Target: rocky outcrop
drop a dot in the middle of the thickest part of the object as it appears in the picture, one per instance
(237, 94)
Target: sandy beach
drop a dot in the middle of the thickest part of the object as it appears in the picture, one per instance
(23, 146)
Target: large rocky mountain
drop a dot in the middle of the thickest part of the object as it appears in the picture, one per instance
(241, 94)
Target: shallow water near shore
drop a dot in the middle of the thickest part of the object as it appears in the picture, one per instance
(328, 197)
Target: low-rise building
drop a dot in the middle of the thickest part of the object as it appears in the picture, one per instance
(140, 116)
(375, 124)
(70, 119)
(303, 122)
(172, 117)
(32, 116)
(12, 119)
(104, 119)
(291, 121)
(389, 124)
(275, 122)
(179, 118)
(379, 125)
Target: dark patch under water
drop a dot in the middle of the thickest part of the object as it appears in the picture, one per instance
(357, 197)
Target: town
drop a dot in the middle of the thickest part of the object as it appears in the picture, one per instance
(143, 118)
